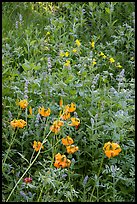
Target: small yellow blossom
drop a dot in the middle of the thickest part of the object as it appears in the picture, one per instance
(66, 54)
(77, 42)
(94, 62)
(111, 149)
(71, 149)
(74, 50)
(44, 112)
(67, 141)
(61, 54)
(67, 63)
(23, 104)
(102, 55)
(111, 60)
(48, 33)
(118, 65)
(37, 146)
(92, 44)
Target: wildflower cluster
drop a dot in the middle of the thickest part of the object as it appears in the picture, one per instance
(61, 160)
(68, 141)
(111, 60)
(65, 114)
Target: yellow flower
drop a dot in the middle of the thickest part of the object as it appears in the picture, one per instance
(92, 44)
(75, 122)
(67, 63)
(118, 65)
(48, 33)
(94, 62)
(18, 123)
(30, 110)
(78, 43)
(37, 146)
(111, 60)
(72, 149)
(102, 55)
(74, 50)
(23, 104)
(44, 112)
(66, 54)
(111, 149)
(67, 141)
(61, 54)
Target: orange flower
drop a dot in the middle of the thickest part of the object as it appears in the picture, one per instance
(64, 116)
(37, 146)
(61, 102)
(111, 149)
(44, 112)
(23, 104)
(30, 110)
(67, 141)
(18, 123)
(61, 161)
(75, 122)
(72, 149)
(72, 107)
(56, 126)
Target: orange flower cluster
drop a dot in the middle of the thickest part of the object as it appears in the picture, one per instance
(56, 126)
(71, 149)
(23, 104)
(44, 112)
(37, 146)
(18, 123)
(111, 149)
(65, 113)
(61, 161)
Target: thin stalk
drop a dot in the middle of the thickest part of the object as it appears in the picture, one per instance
(97, 176)
(12, 140)
(28, 168)
(40, 194)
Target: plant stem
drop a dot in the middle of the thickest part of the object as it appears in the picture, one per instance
(28, 167)
(12, 140)
(97, 176)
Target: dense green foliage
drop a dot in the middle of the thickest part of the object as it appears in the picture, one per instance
(33, 37)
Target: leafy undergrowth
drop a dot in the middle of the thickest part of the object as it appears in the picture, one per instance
(68, 106)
